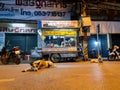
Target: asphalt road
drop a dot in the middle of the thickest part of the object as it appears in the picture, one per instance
(66, 76)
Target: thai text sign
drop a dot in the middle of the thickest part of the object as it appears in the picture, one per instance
(17, 28)
(33, 10)
(59, 33)
(60, 24)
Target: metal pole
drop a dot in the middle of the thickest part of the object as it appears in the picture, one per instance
(98, 30)
(98, 43)
(99, 56)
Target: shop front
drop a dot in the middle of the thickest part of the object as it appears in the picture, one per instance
(22, 35)
(59, 39)
(109, 35)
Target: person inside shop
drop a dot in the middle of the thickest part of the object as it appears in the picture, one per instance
(62, 44)
(72, 42)
(67, 44)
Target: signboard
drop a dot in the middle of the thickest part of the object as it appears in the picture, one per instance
(34, 10)
(60, 24)
(86, 21)
(18, 28)
(59, 33)
(62, 50)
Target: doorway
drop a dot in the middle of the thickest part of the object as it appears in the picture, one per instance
(26, 42)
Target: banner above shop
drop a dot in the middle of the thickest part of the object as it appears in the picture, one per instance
(58, 24)
(106, 27)
(34, 10)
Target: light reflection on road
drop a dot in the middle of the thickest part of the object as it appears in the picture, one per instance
(7, 80)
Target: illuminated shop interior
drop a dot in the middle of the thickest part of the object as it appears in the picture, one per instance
(59, 37)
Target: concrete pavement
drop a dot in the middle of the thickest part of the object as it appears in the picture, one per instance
(66, 76)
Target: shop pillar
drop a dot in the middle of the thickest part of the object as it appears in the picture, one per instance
(85, 33)
(85, 44)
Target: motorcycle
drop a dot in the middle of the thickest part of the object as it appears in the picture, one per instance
(114, 54)
(11, 55)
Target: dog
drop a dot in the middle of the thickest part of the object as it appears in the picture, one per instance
(94, 61)
(39, 64)
(98, 60)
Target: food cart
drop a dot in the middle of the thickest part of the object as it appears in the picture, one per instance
(59, 40)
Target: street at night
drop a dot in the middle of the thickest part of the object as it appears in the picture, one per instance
(59, 44)
(78, 75)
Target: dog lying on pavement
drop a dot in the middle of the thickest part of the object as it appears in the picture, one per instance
(94, 61)
(39, 64)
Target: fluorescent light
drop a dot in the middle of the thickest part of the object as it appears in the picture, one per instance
(18, 25)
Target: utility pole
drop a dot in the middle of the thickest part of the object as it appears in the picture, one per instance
(98, 43)
(86, 23)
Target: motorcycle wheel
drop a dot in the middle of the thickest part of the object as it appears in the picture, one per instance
(17, 60)
(55, 57)
(111, 58)
(4, 59)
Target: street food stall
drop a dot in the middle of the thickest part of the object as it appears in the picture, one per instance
(58, 40)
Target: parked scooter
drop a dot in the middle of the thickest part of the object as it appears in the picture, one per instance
(114, 54)
(11, 55)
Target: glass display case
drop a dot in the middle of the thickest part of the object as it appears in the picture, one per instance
(59, 39)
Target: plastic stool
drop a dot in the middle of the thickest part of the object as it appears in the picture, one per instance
(27, 57)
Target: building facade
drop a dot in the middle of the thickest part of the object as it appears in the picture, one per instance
(19, 24)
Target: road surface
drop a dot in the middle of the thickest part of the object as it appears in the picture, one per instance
(66, 76)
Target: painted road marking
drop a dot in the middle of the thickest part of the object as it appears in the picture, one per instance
(7, 80)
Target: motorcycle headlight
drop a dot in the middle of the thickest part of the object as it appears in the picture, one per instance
(17, 52)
